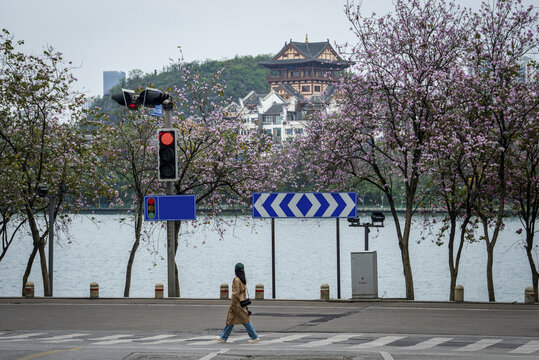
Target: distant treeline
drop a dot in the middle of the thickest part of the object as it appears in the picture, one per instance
(241, 75)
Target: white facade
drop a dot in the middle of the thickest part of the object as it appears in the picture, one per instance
(270, 113)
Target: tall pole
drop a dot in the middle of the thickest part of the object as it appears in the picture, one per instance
(169, 190)
(273, 257)
(52, 201)
(338, 259)
(367, 231)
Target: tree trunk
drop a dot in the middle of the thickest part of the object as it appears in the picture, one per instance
(454, 265)
(533, 268)
(138, 229)
(490, 278)
(453, 270)
(39, 245)
(44, 269)
(28, 269)
(403, 238)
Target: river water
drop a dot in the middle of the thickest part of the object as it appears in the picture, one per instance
(305, 258)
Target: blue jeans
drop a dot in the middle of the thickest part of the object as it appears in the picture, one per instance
(249, 327)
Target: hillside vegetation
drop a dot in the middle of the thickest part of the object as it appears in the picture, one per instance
(241, 75)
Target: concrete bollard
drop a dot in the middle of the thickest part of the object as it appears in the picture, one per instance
(459, 293)
(94, 290)
(529, 295)
(29, 290)
(259, 292)
(224, 291)
(159, 290)
(324, 292)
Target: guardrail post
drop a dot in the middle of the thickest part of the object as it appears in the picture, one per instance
(94, 290)
(529, 295)
(259, 292)
(29, 290)
(459, 293)
(324, 292)
(159, 290)
(224, 291)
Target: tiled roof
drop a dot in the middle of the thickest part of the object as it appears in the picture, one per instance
(290, 89)
(252, 99)
(275, 109)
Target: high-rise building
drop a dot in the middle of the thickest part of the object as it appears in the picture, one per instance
(111, 79)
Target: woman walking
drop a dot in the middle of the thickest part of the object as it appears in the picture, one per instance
(237, 314)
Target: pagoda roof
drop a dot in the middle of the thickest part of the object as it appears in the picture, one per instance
(310, 50)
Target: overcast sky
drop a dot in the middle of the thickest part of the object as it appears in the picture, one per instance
(100, 35)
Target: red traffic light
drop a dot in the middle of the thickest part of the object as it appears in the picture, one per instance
(166, 138)
(151, 201)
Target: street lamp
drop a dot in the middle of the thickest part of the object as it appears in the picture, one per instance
(43, 191)
(377, 220)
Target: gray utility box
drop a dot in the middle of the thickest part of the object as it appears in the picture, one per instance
(364, 275)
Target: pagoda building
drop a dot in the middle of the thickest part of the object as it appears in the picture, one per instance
(307, 68)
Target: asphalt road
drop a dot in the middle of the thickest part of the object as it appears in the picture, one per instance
(136, 329)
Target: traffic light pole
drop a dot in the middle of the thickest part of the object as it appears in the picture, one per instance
(169, 190)
(52, 204)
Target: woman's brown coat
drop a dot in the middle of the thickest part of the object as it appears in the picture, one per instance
(236, 314)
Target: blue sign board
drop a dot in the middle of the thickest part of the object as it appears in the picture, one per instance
(304, 205)
(169, 207)
(157, 110)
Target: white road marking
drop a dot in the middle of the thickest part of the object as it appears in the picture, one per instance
(428, 343)
(19, 337)
(123, 341)
(112, 339)
(168, 341)
(62, 338)
(386, 356)
(206, 337)
(156, 337)
(329, 341)
(285, 339)
(528, 348)
(214, 354)
(378, 342)
(479, 345)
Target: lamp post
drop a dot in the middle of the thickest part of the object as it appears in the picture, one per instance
(377, 220)
(43, 191)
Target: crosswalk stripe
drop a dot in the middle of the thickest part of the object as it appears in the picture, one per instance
(284, 339)
(479, 345)
(214, 354)
(230, 339)
(528, 348)
(194, 342)
(428, 343)
(154, 338)
(112, 339)
(378, 342)
(328, 341)
(123, 341)
(62, 338)
(19, 337)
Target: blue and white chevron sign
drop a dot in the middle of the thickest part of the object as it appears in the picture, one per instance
(304, 205)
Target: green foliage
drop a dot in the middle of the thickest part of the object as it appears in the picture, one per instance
(240, 75)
